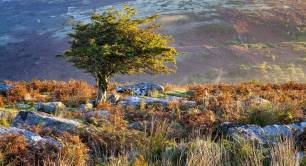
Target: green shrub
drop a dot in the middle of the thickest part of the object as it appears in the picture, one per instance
(268, 114)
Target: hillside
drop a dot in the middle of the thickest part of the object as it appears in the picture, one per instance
(49, 122)
(221, 40)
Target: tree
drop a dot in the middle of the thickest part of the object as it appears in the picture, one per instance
(115, 42)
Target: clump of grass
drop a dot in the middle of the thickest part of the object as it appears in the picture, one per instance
(269, 114)
(108, 141)
(157, 142)
(284, 154)
(204, 152)
(74, 152)
(201, 121)
(243, 152)
(6, 118)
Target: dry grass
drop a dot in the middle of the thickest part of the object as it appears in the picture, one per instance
(205, 152)
(284, 154)
(171, 135)
(71, 93)
(74, 152)
(1, 101)
(14, 150)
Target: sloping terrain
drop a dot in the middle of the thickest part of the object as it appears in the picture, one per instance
(220, 40)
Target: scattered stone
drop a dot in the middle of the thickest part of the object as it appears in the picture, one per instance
(27, 119)
(30, 137)
(4, 88)
(50, 107)
(141, 89)
(135, 101)
(266, 135)
(86, 107)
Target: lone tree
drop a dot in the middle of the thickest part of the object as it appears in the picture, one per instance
(115, 42)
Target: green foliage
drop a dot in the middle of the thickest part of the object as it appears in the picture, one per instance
(242, 152)
(4, 122)
(115, 42)
(268, 114)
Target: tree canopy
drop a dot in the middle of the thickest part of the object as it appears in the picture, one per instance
(115, 42)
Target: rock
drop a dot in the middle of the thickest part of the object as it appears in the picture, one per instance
(114, 98)
(30, 137)
(266, 135)
(98, 118)
(101, 114)
(135, 101)
(141, 89)
(256, 101)
(4, 88)
(50, 107)
(27, 119)
(21, 106)
(86, 107)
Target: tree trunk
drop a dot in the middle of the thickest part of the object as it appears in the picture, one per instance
(102, 83)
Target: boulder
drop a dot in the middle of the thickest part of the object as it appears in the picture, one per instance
(135, 101)
(27, 119)
(266, 135)
(101, 114)
(29, 136)
(50, 107)
(4, 88)
(141, 89)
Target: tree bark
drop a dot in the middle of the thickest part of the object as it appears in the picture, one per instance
(102, 83)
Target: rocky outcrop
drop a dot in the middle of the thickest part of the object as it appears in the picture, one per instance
(27, 119)
(101, 114)
(135, 101)
(50, 107)
(29, 136)
(141, 89)
(265, 135)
